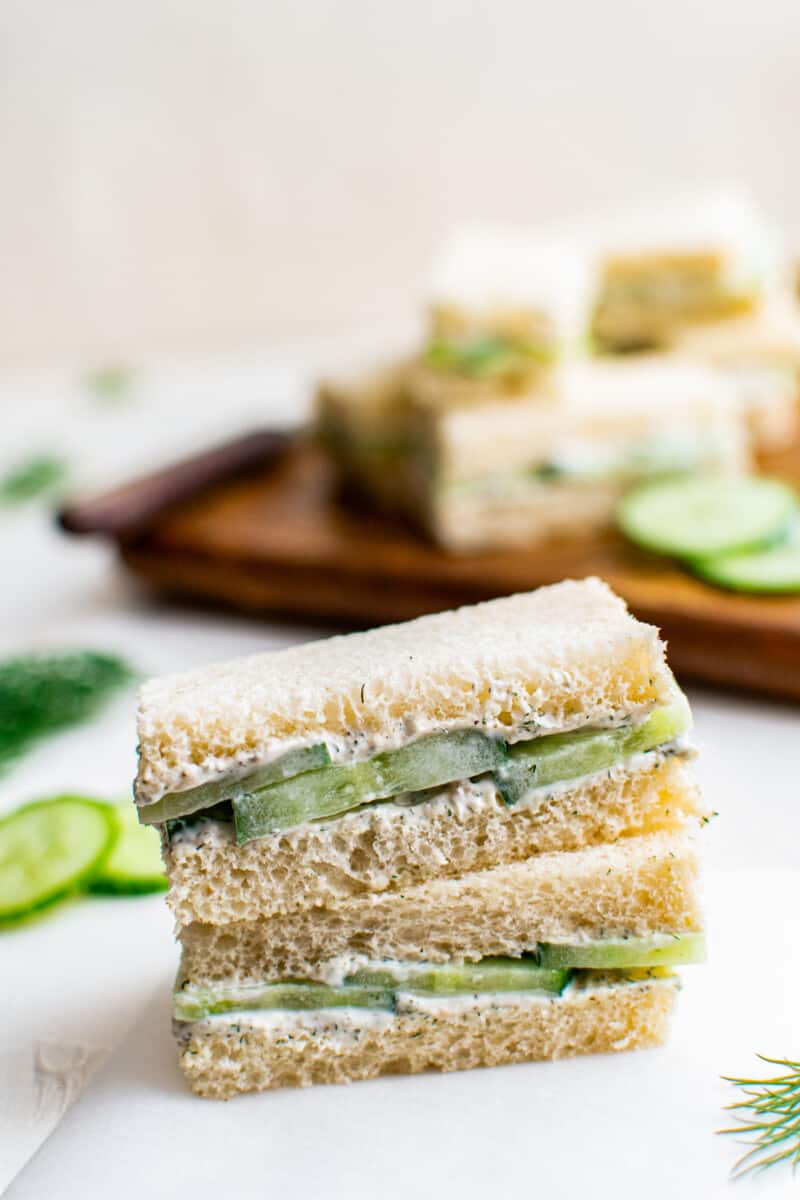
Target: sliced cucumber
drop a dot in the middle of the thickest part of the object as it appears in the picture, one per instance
(49, 849)
(372, 986)
(561, 756)
(657, 950)
(134, 865)
(772, 571)
(704, 515)
(330, 791)
(206, 795)
(488, 975)
(192, 1003)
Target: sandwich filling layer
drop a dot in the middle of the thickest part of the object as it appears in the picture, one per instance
(357, 982)
(416, 773)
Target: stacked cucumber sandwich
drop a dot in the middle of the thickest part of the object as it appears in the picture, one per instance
(520, 465)
(461, 841)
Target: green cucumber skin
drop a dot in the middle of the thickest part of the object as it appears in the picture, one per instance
(546, 973)
(430, 762)
(769, 571)
(376, 987)
(548, 760)
(488, 975)
(433, 761)
(645, 526)
(133, 867)
(199, 1003)
(143, 886)
(206, 795)
(78, 880)
(659, 950)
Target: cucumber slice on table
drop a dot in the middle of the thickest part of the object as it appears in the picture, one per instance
(704, 515)
(657, 950)
(557, 757)
(772, 571)
(50, 848)
(134, 865)
(206, 795)
(330, 791)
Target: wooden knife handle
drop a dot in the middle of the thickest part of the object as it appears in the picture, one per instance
(126, 510)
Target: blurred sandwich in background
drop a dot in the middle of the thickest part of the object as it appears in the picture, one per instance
(558, 369)
(520, 468)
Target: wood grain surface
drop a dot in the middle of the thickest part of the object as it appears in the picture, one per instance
(283, 541)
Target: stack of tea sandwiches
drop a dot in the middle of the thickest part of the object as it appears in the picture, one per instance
(462, 841)
(558, 369)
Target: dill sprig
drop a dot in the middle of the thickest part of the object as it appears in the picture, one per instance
(31, 478)
(769, 1118)
(42, 693)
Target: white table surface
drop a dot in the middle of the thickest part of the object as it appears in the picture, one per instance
(93, 979)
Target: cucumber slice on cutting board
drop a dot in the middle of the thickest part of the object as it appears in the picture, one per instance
(704, 515)
(50, 848)
(771, 571)
(134, 864)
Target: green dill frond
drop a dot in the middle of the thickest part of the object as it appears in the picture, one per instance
(42, 693)
(768, 1118)
(31, 478)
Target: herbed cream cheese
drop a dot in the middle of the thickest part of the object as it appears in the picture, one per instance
(460, 799)
(358, 745)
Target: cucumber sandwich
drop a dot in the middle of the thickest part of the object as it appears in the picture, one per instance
(508, 469)
(461, 841)
(504, 306)
(685, 263)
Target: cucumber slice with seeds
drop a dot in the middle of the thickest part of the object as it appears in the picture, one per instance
(657, 950)
(206, 795)
(704, 515)
(50, 848)
(562, 756)
(134, 865)
(331, 791)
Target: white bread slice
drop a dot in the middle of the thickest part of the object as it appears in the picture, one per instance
(633, 887)
(387, 848)
(222, 1058)
(562, 657)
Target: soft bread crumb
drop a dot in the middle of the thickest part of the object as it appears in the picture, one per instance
(222, 1060)
(387, 848)
(636, 886)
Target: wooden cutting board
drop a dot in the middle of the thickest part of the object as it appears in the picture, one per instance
(278, 538)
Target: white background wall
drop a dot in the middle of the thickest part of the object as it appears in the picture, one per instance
(221, 172)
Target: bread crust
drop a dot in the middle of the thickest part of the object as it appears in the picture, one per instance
(562, 657)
